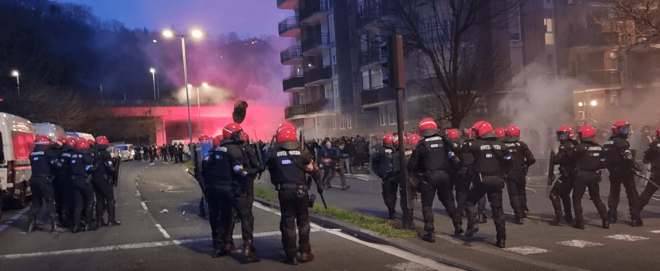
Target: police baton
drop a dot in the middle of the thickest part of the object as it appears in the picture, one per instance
(639, 174)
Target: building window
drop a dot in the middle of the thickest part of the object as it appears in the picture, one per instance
(334, 122)
(328, 91)
(365, 80)
(301, 98)
(342, 122)
(335, 89)
(383, 116)
(349, 121)
(376, 79)
(549, 31)
(514, 25)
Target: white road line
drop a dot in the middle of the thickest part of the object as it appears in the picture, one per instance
(656, 231)
(626, 237)
(160, 228)
(526, 250)
(579, 243)
(16, 216)
(137, 193)
(527, 188)
(3, 227)
(144, 206)
(387, 249)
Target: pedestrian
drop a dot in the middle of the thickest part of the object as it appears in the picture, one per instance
(104, 182)
(432, 157)
(489, 154)
(382, 166)
(329, 158)
(288, 164)
(561, 189)
(82, 169)
(590, 159)
(43, 160)
(621, 165)
(516, 172)
(165, 152)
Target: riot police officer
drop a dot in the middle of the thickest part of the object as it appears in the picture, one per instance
(82, 168)
(43, 160)
(432, 157)
(516, 175)
(243, 155)
(590, 159)
(621, 165)
(651, 156)
(382, 166)
(219, 186)
(452, 137)
(104, 180)
(58, 149)
(469, 177)
(288, 163)
(66, 182)
(489, 166)
(561, 189)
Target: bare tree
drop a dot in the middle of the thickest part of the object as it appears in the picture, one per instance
(637, 22)
(454, 46)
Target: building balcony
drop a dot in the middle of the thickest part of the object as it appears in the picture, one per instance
(316, 44)
(289, 27)
(315, 10)
(377, 96)
(293, 83)
(308, 110)
(372, 14)
(592, 36)
(291, 56)
(287, 4)
(318, 76)
(370, 57)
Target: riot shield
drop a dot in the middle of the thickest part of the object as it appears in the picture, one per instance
(551, 173)
(117, 162)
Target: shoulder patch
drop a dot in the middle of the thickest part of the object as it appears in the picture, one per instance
(37, 153)
(294, 152)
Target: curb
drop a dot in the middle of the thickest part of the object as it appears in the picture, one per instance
(373, 237)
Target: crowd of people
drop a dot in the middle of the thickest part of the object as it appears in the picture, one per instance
(73, 177)
(178, 153)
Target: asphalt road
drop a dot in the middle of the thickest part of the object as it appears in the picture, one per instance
(535, 245)
(161, 230)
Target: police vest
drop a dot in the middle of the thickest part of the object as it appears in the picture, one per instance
(39, 162)
(434, 154)
(591, 157)
(613, 151)
(488, 157)
(217, 167)
(516, 152)
(78, 163)
(289, 166)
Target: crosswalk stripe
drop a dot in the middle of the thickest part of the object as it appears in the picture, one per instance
(579, 243)
(626, 237)
(527, 250)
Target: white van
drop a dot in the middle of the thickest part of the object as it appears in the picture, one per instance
(86, 136)
(51, 130)
(17, 135)
(126, 151)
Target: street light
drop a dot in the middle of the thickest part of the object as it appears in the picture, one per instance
(196, 33)
(15, 73)
(155, 41)
(153, 77)
(594, 103)
(580, 104)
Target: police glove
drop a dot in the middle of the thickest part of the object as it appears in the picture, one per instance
(627, 154)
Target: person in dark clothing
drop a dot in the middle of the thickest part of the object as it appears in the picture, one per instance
(288, 163)
(382, 166)
(82, 169)
(103, 181)
(561, 190)
(329, 158)
(43, 160)
(469, 176)
(489, 165)
(432, 157)
(651, 156)
(362, 150)
(590, 159)
(621, 165)
(65, 182)
(516, 172)
(164, 151)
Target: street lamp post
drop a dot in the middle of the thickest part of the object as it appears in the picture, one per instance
(196, 33)
(15, 73)
(153, 78)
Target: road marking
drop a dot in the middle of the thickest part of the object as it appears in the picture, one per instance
(657, 231)
(408, 266)
(527, 188)
(3, 227)
(384, 248)
(527, 250)
(144, 206)
(137, 193)
(579, 243)
(626, 237)
(160, 228)
(14, 218)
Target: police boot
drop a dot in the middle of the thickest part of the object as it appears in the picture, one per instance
(90, 227)
(606, 224)
(525, 213)
(291, 260)
(429, 237)
(482, 218)
(637, 223)
(32, 226)
(519, 221)
(579, 225)
(219, 252)
(345, 187)
(304, 257)
(568, 218)
(111, 214)
(250, 252)
(55, 228)
(612, 219)
(100, 222)
(391, 215)
(471, 230)
(77, 228)
(557, 221)
(458, 230)
(500, 243)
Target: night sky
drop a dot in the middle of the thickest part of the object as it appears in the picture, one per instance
(245, 17)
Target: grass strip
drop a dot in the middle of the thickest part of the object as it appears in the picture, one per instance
(190, 166)
(377, 225)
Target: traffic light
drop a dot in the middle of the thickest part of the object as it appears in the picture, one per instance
(392, 59)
